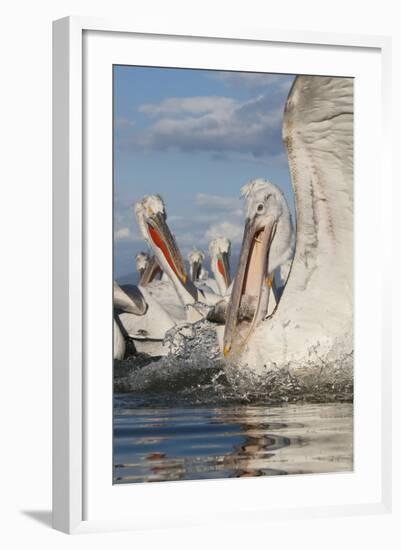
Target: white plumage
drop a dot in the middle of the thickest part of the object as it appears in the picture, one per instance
(219, 250)
(312, 325)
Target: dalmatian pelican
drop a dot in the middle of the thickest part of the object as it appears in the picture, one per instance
(123, 303)
(312, 324)
(195, 260)
(141, 262)
(219, 250)
(199, 275)
(152, 221)
(150, 269)
(139, 317)
(257, 193)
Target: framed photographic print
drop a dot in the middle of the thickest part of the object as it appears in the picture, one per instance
(219, 330)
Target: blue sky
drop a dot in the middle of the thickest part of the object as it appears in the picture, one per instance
(195, 137)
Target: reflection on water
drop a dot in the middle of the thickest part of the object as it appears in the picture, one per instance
(175, 443)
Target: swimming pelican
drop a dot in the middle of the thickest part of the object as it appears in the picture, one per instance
(219, 250)
(141, 318)
(199, 275)
(258, 194)
(151, 216)
(151, 271)
(123, 303)
(312, 325)
(195, 259)
(128, 299)
(141, 262)
(119, 344)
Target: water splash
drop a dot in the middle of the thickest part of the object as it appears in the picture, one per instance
(194, 372)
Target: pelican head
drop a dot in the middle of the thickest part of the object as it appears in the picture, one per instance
(151, 216)
(141, 262)
(151, 272)
(267, 243)
(195, 259)
(219, 250)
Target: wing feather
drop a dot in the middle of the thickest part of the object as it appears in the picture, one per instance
(318, 135)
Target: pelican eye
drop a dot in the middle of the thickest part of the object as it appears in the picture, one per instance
(260, 208)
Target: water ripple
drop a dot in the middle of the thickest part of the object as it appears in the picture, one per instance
(166, 444)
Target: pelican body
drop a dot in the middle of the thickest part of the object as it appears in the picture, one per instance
(312, 325)
(139, 317)
(134, 306)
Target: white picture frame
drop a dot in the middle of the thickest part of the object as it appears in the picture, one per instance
(73, 475)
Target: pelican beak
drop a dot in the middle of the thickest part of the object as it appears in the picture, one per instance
(223, 267)
(150, 272)
(195, 271)
(250, 294)
(161, 236)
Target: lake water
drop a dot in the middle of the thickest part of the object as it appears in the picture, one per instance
(177, 424)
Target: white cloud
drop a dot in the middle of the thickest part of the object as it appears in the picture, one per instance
(252, 81)
(193, 105)
(215, 124)
(225, 229)
(124, 122)
(217, 216)
(127, 234)
(218, 202)
(122, 234)
(211, 210)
